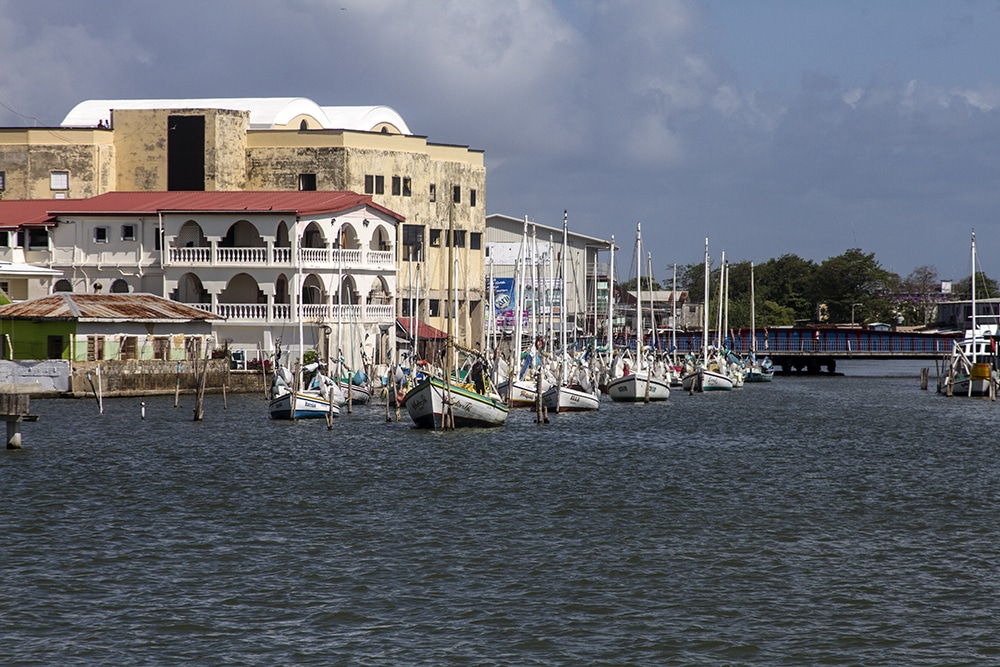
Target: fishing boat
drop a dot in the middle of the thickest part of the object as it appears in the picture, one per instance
(452, 401)
(639, 384)
(971, 369)
(318, 401)
(433, 402)
(574, 391)
(756, 370)
(708, 373)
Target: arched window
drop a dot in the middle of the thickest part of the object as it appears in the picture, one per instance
(62, 285)
(120, 286)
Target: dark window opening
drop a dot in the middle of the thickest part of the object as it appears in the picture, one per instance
(434, 307)
(307, 181)
(413, 237)
(475, 241)
(435, 238)
(456, 194)
(55, 347)
(3, 181)
(459, 238)
(380, 185)
(407, 187)
(128, 232)
(397, 185)
(369, 184)
(303, 125)
(186, 153)
(472, 197)
(434, 192)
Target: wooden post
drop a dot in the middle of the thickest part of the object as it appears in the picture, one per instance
(177, 387)
(924, 373)
(225, 403)
(199, 404)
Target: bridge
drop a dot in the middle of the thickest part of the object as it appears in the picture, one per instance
(810, 349)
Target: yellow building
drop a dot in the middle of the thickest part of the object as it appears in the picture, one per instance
(271, 144)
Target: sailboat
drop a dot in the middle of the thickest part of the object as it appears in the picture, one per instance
(448, 402)
(756, 370)
(706, 374)
(970, 371)
(293, 396)
(640, 384)
(574, 392)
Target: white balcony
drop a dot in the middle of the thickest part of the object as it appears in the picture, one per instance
(311, 312)
(325, 258)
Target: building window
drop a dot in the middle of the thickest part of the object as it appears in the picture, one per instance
(38, 239)
(380, 185)
(413, 239)
(369, 184)
(407, 187)
(307, 181)
(397, 185)
(475, 241)
(434, 192)
(100, 234)
(4, 239)
(55, 345)
(59, 180)
(459, 238)
(434, 307)
(456, 194)
(157, 238)
(435, 238)
(128, 232)
(5, 286)
(472, 198)
(3, 181)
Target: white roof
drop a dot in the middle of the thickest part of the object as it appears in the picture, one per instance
(10, 270)
(265, 112)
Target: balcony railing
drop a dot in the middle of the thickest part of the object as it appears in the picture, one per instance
(311, 312)
(282, 257)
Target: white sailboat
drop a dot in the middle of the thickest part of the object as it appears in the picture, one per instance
(640, 384)
(289, 398)
(970, 370)
(575, 391)
(706, 374)
(757, 370)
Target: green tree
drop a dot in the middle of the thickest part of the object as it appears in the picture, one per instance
(986, 287)
(850, 280)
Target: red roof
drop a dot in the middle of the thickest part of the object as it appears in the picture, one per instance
(297, 202)
(424, 330)
(17, 212)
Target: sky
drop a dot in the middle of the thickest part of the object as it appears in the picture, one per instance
(772, 127)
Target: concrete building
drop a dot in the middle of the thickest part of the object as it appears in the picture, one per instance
(537, 248)
(276, 144)
(246, 258)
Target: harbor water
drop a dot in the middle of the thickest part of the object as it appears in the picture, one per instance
(815, 520)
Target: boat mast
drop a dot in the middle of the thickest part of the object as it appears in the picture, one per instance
(673, 316)
(753, 316)
(562, 304)
(611, 299)
(704, 310)
(975, 332)
(638, 296)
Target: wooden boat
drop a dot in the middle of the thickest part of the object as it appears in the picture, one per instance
(973, 359)
(708, 373)
(311, 403)
(427, 404)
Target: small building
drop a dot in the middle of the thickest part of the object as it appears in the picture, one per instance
(98, 327)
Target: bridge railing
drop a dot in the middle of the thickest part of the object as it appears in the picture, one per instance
(805, 340)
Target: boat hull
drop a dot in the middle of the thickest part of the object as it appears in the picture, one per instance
(307, 406)
(522, 393)
(426, 405)
(632, 388)
(569, 399)
(702, 380)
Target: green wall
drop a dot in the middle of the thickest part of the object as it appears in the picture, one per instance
(30, 340)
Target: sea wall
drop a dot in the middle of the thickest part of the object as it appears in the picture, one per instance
(57, 377)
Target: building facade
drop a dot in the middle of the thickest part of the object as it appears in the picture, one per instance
(278, 144)
(289, 268)
(525, 258)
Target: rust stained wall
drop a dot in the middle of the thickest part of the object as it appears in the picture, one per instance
(141, 146)
(28, 157)
(278, 167)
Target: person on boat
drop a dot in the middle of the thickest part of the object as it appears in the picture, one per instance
(477, 372)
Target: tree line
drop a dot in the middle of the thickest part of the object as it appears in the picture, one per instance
(790, 290)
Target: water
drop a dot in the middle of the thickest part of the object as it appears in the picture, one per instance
(837, 520)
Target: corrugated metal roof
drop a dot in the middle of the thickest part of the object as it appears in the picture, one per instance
(17, 212)
(298, 202)
(424, 330)
(104, 307)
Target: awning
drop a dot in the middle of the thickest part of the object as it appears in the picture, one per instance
(424, 330)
